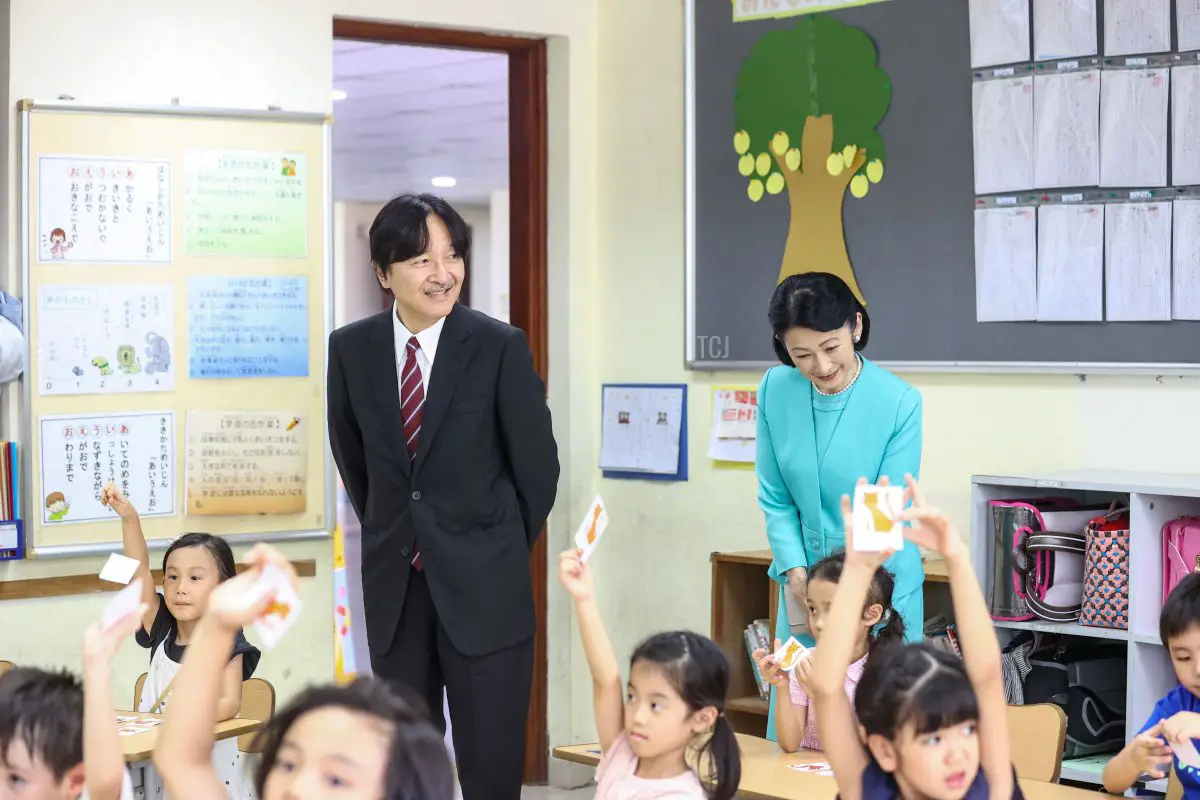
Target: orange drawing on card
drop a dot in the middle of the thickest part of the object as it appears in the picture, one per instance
(277, 607)
(591, 535)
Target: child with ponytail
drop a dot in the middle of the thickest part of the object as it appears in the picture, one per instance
(672, 704)
(880, 624)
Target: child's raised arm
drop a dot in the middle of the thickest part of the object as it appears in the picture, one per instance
(103, 761)
(836, 723)
(133, 542)
(932, 529)
(608, 693)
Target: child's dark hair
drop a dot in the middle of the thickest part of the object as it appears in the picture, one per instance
(44, 710)
(217, 547)
(913, 684)
(1182, 609)
(698, 670)
(418, 765)
(882, 587)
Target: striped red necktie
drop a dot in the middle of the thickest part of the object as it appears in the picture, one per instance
(412, 406)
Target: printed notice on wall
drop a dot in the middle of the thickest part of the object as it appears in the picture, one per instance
(81, 454)
(103, 210)
(94, 339)
(747, 10)
(252, 204)
(247, 327)
(246, 462)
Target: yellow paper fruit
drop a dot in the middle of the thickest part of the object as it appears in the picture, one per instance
(755, 190)
(834, 164)
(792, 159)
(741, 142)
(779, 143)
(746, 164)
(859, 186)
(775, 183)
(875, 171)
(763, 164)
(848, 154)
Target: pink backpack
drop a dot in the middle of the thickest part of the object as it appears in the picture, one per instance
(1181, 551)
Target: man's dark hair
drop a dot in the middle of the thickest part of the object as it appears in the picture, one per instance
(1182, 609)
(400, 230)
(44, 710)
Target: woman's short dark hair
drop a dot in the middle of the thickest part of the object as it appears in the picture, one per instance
(400, 232)
(418, 766)
(217, 547)
(818, 301)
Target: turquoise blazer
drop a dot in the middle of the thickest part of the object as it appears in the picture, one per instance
(878, 433)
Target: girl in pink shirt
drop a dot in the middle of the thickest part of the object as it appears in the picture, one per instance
(675, 695)
(796, 722)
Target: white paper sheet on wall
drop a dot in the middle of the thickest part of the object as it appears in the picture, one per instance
(1005, 264)
(999, 32)
(1187, 24)
(1070, 263)
(1066, 123)
(1136, 26)
(1002, 120)
(1185, 122)
(1063, 29)
(1185, 271)
(1137, 262)
(641, 428)
(1133, 127)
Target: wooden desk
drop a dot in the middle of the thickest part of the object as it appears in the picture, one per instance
(140, 746)
(766, 776)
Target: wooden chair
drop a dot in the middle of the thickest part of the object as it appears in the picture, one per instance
(5, 666)
(258, 702)
(138, 685)
(1174, 787)
(1038, 734)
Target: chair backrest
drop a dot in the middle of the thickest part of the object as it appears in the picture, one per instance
(1038, 733)
(5, 666)
(258, 702)
(1174, 787)
(138, 685)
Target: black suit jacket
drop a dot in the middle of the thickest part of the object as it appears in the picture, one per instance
(478, 493)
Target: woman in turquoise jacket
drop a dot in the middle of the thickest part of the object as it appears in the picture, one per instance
(827, 417)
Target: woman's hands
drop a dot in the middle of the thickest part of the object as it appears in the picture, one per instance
(797, 584)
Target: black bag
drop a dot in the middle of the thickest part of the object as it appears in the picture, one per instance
(1087, 681)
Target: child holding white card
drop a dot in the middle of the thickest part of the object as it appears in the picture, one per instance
(360, 741)
(673, 704)
(880, 624)
(924, 724)
(193, 566)
(1169, 733)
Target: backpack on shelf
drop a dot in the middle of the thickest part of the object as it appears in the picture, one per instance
(1087, 680)
(1181, 551)
(1020, 575)
(1106, 572)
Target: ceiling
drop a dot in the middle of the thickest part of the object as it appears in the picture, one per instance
(415, 113)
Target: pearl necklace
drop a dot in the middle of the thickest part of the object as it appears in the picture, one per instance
(858, 371)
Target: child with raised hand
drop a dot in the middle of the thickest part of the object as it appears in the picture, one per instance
(934, 726)
(879, 625)
(360, 741)
(58, 738)
(1175, 721)
(673, 702)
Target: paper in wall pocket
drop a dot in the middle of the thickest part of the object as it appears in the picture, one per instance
(592, 528)
(123, 603)
(285, 606)
(874, 518)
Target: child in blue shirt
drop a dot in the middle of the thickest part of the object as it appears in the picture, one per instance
(1176, 717)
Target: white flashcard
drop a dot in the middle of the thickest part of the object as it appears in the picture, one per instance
(591, 529)
(1185, 751)
(119, 569)
(875, 513)
(791, 654)
(285, 606)
(123, 603)
(814, 768)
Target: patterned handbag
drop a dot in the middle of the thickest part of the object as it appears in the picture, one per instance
(1106, 572)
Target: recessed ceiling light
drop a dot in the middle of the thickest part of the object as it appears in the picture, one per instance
(444, 183)
(338, 94)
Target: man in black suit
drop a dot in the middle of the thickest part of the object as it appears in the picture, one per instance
(440, 430)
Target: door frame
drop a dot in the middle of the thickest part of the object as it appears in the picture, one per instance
(527, 158)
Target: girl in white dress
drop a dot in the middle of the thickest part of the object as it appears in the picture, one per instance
(193, 566)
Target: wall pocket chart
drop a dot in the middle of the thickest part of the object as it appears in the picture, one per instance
(247, 327)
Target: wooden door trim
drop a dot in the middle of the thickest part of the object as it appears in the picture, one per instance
(528, 201)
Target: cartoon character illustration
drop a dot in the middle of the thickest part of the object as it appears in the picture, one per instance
(291, 169)
(127, 360)
(158, 354)
(101, 363)
(57, 505)
(77, 371)
(59, 244)
(283, 167)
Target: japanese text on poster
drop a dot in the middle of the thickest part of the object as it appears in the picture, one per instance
(104, 210)
(248, 327)
(246, 204)
(738, 418)
(80, 454)
(246, 462)
(95, 339)
(747, 10)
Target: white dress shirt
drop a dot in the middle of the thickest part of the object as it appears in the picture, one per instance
(426, 353)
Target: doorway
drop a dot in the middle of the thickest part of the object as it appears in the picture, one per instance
(527, 255)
